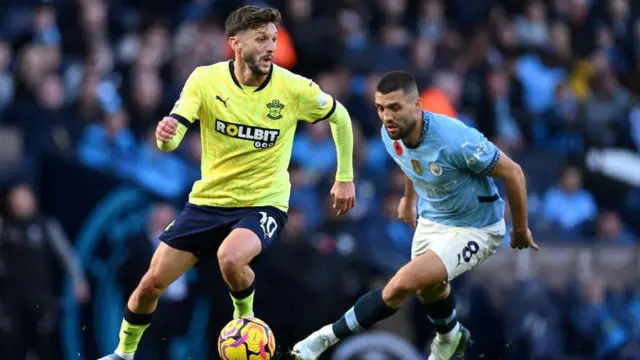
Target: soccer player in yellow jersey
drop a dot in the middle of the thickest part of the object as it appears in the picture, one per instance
(248, 110)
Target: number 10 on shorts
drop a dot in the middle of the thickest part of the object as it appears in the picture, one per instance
(268, 225)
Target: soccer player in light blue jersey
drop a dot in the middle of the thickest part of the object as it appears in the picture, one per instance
(456, 211)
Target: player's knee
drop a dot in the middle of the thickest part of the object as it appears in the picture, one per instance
(433, 292)
(397, 290)
(152, 286)
(231, 262)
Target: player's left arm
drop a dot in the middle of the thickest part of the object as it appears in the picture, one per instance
(513, 176)
(483, 157)
(315, 106)
(515, 182)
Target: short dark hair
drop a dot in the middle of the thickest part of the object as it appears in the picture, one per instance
(250, 17)
(397, 80)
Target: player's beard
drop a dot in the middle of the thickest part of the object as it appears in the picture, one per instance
(253, 62)
(404, 129)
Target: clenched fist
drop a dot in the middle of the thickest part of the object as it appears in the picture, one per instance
(166, 129)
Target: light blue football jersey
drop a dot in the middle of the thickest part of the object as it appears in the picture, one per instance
(449, 169)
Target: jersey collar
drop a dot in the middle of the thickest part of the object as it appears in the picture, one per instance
(235, 80)
(425, 129)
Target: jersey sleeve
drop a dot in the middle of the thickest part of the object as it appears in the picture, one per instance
(472, 150)
(187, 107)
(313, 104)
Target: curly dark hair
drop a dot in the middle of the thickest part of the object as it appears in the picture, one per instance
(250, 17)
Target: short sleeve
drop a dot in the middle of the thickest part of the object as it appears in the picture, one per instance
(475, 152)
(188, 105)
(313, 104)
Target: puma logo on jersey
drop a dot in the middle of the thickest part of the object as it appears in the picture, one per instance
(224, 102)
(262, 138)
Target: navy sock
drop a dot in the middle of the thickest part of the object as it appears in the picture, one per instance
(442, 314)
(367, 311)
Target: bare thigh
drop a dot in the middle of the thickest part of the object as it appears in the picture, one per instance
(168, 264)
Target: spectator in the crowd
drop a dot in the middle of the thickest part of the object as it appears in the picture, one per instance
(108, 146)
(432, 23)
(31, 244)
(146, 105)
(569, 194)
(533, 322)
(563, 128)
(163, 174)
(592, 318)
(611, 230)
(313, 37)
(52, 128)
(497, 118)
(531, 28)
(172, 322)
(605, 109)
(423, 57)
(444, 95)
(540, 75)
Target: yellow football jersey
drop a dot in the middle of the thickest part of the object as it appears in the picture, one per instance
(247, 133)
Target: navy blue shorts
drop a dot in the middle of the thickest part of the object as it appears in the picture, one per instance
(201, 229)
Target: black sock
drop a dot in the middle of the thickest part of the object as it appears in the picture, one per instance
(137, 319)
(242, 294)
(368, 310)
(442, 314)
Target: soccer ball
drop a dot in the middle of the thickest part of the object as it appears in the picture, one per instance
(246, 339)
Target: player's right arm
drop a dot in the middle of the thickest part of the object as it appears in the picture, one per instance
(171, 130)
(410, 191)
(407, 208)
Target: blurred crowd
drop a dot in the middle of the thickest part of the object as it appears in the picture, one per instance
(554, 84)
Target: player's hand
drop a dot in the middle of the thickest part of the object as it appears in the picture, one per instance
(166, 129)
(344, 196)
(522, 240)
(407, 212)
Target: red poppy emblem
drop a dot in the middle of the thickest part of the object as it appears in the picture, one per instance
(397, 147)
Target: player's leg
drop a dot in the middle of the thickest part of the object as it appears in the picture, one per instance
(251, 235)
(451, 337)
(424, 271)
(459, 250)
(234, 256)
(167, 265)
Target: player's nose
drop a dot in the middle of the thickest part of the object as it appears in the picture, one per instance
(271, 47)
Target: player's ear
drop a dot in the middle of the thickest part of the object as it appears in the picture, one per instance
(419, 104)
(234, 43)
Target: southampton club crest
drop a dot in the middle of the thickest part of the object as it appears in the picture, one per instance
(275, 109)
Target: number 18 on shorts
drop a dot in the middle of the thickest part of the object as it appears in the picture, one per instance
(459, 248)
